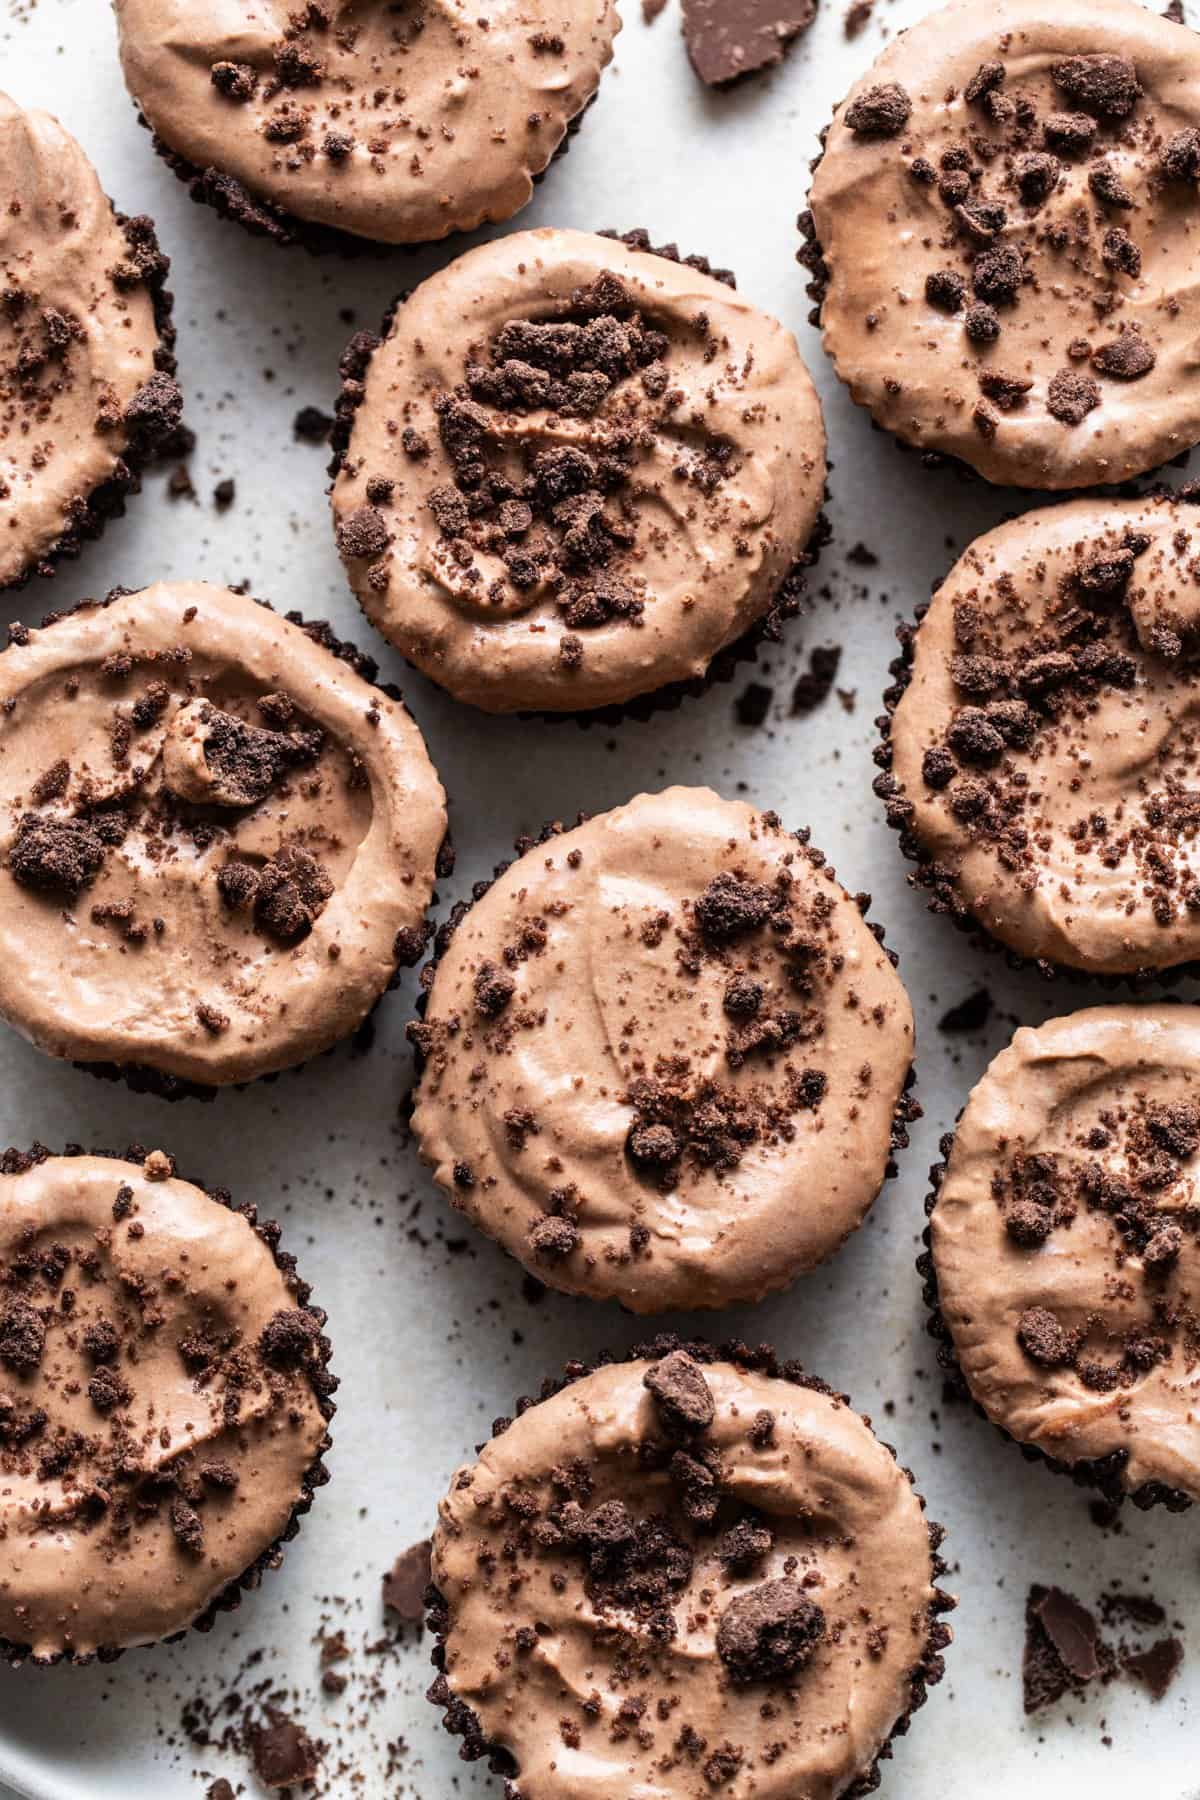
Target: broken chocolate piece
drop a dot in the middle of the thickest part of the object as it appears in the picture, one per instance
(727, 39)
(284, 1754)
(405, 1583)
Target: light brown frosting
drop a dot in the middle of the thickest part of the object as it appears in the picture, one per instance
(883, 232)
(618, 1017)
(400, 125)
(846, 1525)
(151, 1301)
(705, 462)
(1078, 1090)
(186, 976)
(1078, 846)
(75, 345)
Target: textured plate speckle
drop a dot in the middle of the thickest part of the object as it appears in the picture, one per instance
(432, 1341)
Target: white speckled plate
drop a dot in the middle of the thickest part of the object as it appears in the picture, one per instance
(433, 1341)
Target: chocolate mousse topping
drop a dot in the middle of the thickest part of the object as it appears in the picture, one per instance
(664, 1058)
(1003, 234)
(163, 1402)
(86, 369)
(595, 1632)
(573, 471)
(1065, 1242)
(1042, 758)
(397, 123)
(217, 837)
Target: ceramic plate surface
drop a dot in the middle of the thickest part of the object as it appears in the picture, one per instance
(433, 1333)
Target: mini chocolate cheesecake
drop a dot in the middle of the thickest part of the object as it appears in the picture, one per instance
(217, 837)
(394, 123)
(1040, 755)
(693, 1572)
(164, 1407)
(576, 472)
(87, 389)
(665, 1059)
(1005, 238)
(1064, 1247)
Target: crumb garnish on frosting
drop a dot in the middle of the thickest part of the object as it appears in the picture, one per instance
(1059, 190)
(218, 837)
(1042, 754)
(573, 467)
(684, 1571)
(401, 124)
(647, 1038)
(139, 1386)
(1065, 1236)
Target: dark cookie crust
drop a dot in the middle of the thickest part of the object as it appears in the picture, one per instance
(409, 947)
(790, 599)
(908, 1109)
(91, 514)
(15, 1162)
(230, 199)
(460, 1719)
(1103, 1473)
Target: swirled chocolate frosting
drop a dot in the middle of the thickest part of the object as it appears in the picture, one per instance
(577, 471)
(1007, 215)
(664, 1057)
(218, 840)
